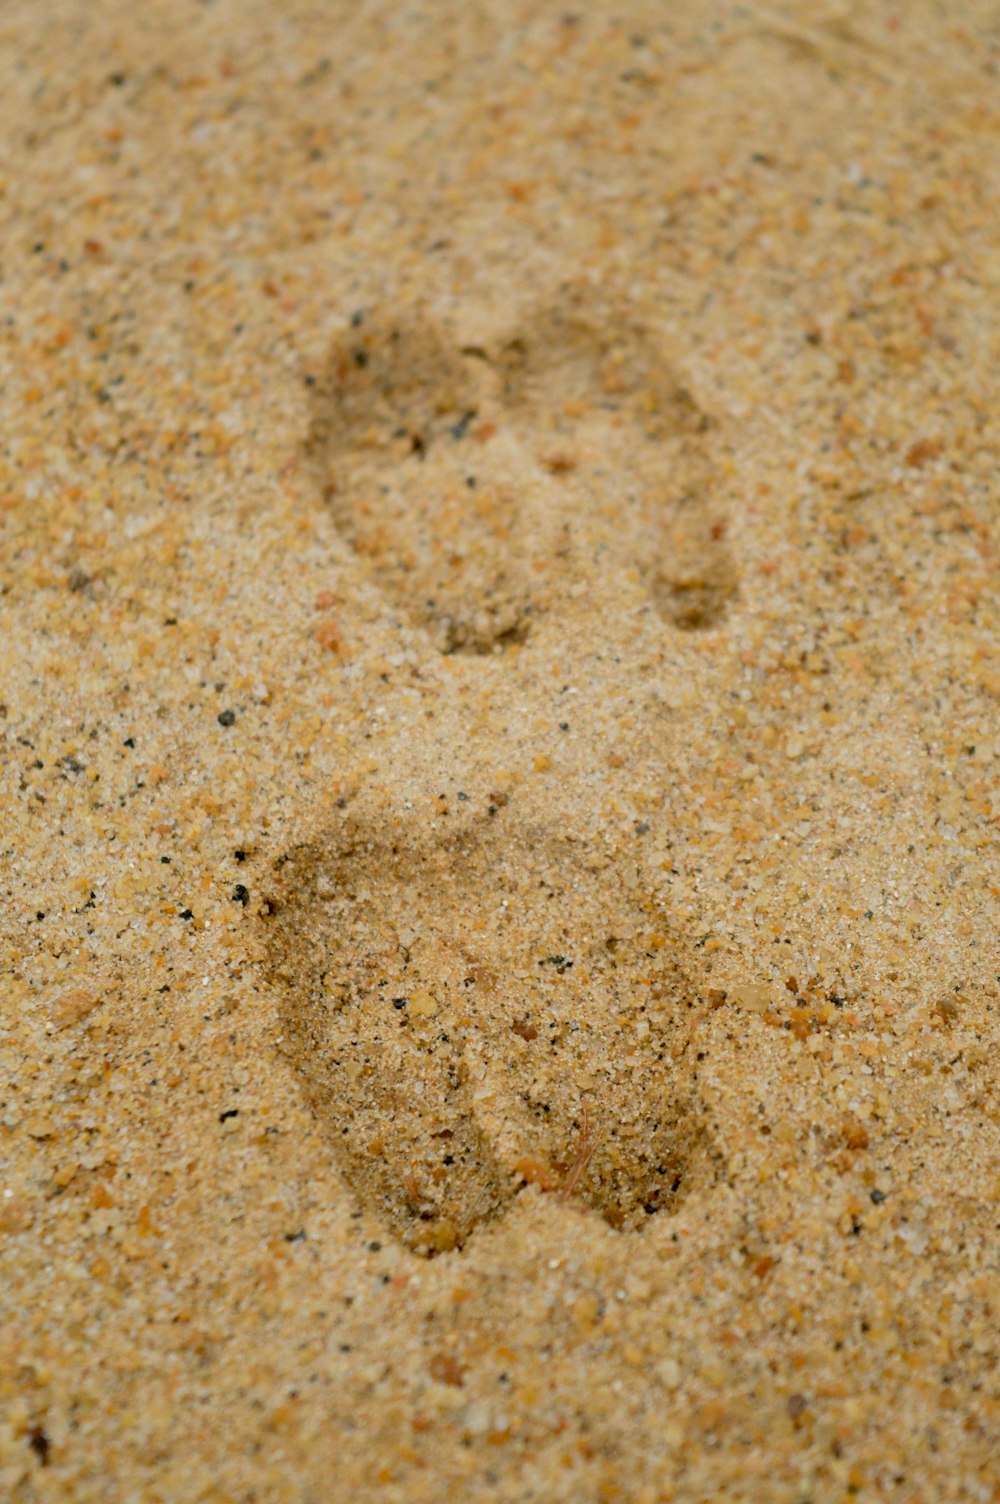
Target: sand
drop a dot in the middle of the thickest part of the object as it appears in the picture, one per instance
(499, 693)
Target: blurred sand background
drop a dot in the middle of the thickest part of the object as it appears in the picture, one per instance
(499, 694)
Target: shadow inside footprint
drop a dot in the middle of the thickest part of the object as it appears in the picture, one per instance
(476, 1012)
(397, 430)
(608, 413)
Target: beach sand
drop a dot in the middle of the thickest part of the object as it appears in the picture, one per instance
(499, 693)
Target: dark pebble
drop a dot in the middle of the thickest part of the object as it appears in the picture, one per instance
(39, 1443)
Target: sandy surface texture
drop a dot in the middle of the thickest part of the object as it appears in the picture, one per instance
(500, 711)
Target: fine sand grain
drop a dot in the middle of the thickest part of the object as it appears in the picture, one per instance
(500, 710)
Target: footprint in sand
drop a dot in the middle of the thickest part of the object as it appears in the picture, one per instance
(472, 1013)
(461, 474)
(480, 1011)
(400, 424)
(603, 410)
